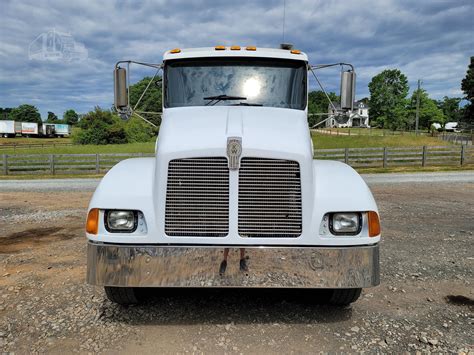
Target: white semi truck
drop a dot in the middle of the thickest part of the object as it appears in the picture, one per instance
(233, 197)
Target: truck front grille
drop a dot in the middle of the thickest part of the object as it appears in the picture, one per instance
(197, 197)
(269, 198)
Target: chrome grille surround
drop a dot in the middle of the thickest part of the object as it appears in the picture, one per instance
(197, 197)
(269, 198)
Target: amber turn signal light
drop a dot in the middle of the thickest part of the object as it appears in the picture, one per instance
(374, 224)
(92, 225)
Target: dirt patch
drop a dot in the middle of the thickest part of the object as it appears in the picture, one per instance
(31, 238)
(460, 300)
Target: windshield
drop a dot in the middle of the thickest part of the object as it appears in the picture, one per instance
(236, 81)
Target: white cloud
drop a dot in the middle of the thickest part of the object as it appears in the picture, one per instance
(427, 40)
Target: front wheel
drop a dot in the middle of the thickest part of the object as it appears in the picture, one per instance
(344, 296)
(122, 295)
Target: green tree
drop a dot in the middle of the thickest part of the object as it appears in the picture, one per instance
(151, 101)
(70, 117)
(450, 107)
(429, 112)
(52, 118)
(101, 127)
(318, 104)
(365, 100)
(25, 113)
(388, 92)
(467, 86)
(5, 112)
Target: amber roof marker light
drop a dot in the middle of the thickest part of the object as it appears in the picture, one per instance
(219, 48)
(235, 48)
(295, 51)
(251, 48)
(175, 50)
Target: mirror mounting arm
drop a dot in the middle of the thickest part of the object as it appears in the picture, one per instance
(122, 92)
(322, 66)
(347, 88)
(128, 62)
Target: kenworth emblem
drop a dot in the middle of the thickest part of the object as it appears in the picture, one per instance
(234, 149)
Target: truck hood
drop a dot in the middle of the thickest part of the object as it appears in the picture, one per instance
(265, 131)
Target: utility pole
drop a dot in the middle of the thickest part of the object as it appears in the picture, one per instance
(417, 119)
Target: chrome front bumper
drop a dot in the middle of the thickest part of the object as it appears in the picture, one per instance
(198, 266)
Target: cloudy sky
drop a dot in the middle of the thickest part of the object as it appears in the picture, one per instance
(426, 39)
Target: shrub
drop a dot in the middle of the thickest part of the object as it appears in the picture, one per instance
(139, 131)
(101, 127)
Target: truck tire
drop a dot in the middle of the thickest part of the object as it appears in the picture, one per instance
(344, 296)
(121, 295)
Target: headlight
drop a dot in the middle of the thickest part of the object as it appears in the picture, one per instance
(345, 223)
(121, 221)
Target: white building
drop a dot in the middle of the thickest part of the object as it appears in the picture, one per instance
(358, 117)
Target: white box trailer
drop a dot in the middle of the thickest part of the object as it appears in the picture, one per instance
(54, 130)
(62, 130)
(7, 129)
(29, 129)
(47, 129)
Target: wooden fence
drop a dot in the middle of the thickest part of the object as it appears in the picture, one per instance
(376, 132)
(400, 156)
(85, 164)
(16, 146)
(457, 138)
(61, 164)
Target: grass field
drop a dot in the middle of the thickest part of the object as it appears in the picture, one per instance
(324, 141)
(84, 149)
(320, 141)
(374, 132)
(24, 140)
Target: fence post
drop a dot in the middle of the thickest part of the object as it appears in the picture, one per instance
(463, 156)
(97, 164)
(385, 153)
(51, 163)
(423, 157)
(5, 164)
(346, 155)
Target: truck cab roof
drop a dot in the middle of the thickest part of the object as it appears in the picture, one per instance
(234, 51)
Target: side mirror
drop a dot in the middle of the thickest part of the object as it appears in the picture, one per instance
(120, 89)
(348, 80)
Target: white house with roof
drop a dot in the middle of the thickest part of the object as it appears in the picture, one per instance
(358, 117)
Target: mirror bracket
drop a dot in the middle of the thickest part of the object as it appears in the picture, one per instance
(122, 92)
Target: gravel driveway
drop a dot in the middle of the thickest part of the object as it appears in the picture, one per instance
(425, 301)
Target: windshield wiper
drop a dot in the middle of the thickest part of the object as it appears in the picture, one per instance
(246, 104)
(217, 98)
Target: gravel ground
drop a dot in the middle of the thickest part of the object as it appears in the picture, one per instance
(424, 303)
